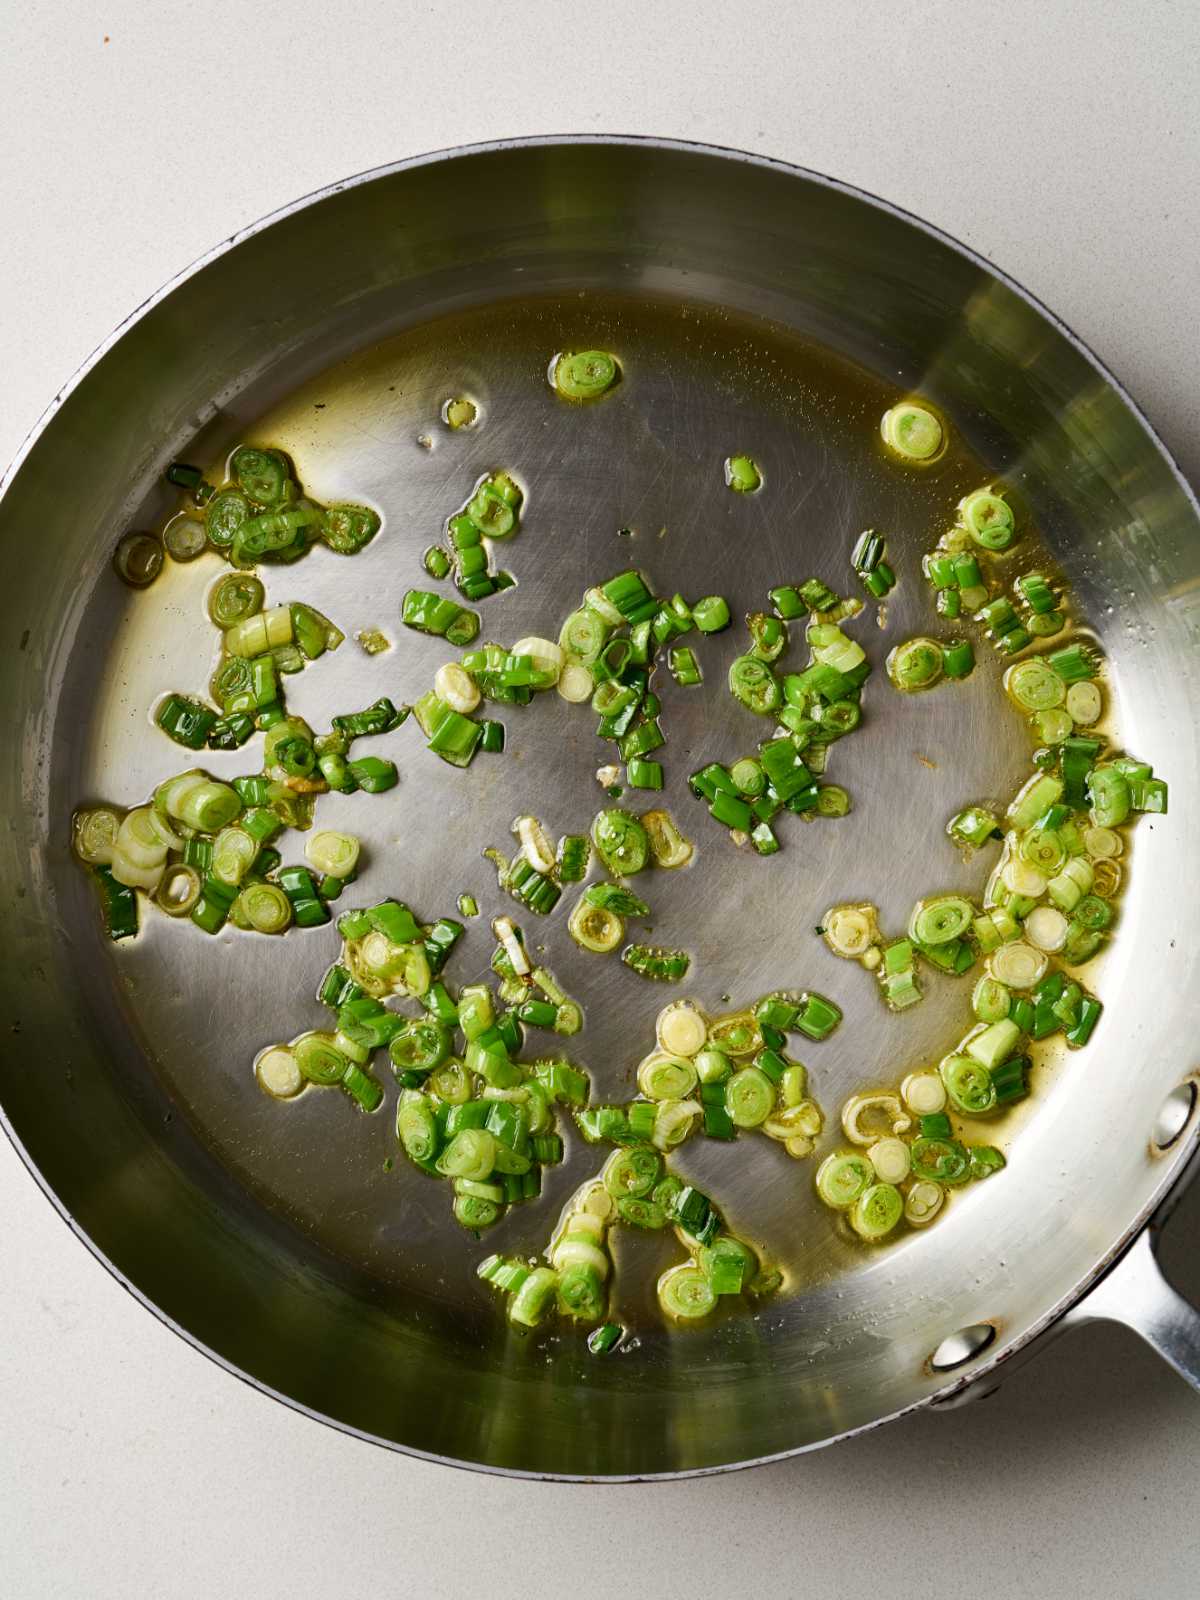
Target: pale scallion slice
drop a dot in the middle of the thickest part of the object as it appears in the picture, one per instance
(456, 687)
(681, 1029)
(1017, 965)
(924, 1093)
(336, 855)
(536, 844)
(278, 1072)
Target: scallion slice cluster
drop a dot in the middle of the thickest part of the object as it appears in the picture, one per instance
(716, 1075)
(1047, 909)
(812, 709)
(470, 1109)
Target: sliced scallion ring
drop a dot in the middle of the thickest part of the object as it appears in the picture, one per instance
(632, 1171)
(505, 930)
(842, 1178)
(1102, 843)
(1017, 965)
(674, 1121)
(924, 1093)
(1033, 686)
(278, 1073)
(596, 600)
(851, 930)
(265, 907)
(595, 928)
(866, 1116)
(545, 654)
(620, 841)
(451, 1082)
(1044, 849)
(890, 1159)
(988, 518)
(915, 665)
(138, 560)
(685, 1293)
(1046, 928)
(533, 1300)
(832, 799)
(138, 841)
(940, 1160)
(1020, 877)
(584, 374)
(1085, 702)
(801, 1121)
(583, 635)
(319, 1060)
(1053, 726)
(184, 538)
(1106, 879)
(923, 1202)
(912, 431)
(665, 1077)
(753, 683)
(990, 999)
(178, 889)
(991, 1045)
(681, 1030)
(336, 855)
(95, 835)
(749, 1097)
(969, 1085)
(736, 1034)
(575, 683)
(877, 1211)
(941, 918)
(233, 854)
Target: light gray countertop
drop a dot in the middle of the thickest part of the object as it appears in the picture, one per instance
(1062, 141)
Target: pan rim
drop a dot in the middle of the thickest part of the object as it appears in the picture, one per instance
(1174, 1173)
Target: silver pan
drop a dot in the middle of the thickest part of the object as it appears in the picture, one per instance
(757, 307)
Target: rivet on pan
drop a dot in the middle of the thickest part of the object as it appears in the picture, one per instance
(956, 1349)
(1174, 1115)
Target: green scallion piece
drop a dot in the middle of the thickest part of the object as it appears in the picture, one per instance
(742, 474)
(958, 658)
(118, 903)
(641, 774)
(916, 664)
(584, 374)
(988, 518)
(373, 774)
(711, 614)
(685, 669)
(651, 961)
(605, 1338)
(752, 682)
(186, 721)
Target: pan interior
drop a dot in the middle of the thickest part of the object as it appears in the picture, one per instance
(356, 1293)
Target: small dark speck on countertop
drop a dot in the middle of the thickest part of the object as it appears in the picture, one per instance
(24, 638)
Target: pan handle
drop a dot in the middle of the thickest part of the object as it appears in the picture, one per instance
(1136, 1293)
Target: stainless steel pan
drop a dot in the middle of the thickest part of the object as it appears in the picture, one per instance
(758, 307)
